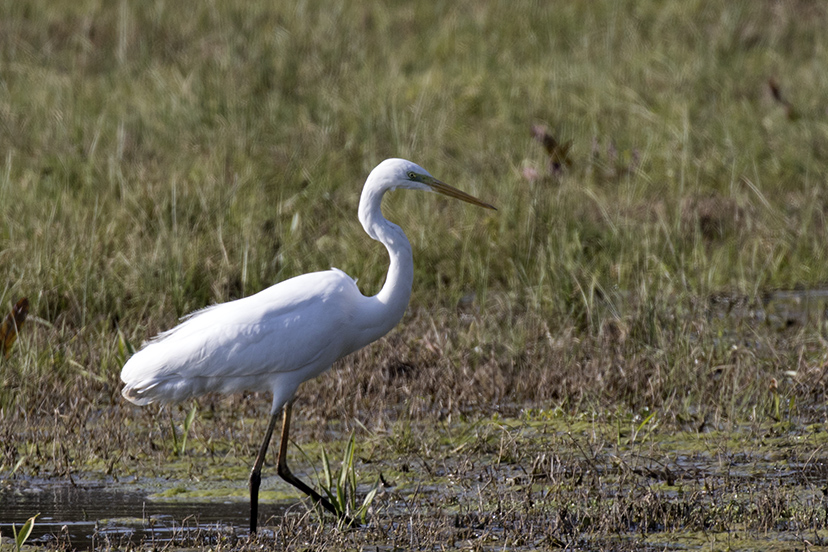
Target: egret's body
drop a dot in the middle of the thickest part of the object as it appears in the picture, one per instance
(273, 340)
(288, 333)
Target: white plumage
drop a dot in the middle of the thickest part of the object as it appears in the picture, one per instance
(273, 340)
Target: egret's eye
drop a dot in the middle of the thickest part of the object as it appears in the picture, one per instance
(412, 175)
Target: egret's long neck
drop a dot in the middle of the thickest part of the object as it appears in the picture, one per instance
(392, 300)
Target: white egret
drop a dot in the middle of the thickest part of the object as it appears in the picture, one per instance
(288, 333)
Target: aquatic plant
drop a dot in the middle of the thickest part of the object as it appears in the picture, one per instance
(180, 443)
(341, 486)
(21, 536)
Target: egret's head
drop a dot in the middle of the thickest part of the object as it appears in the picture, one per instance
(400, 173)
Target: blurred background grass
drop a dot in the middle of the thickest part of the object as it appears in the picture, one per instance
(158, 157)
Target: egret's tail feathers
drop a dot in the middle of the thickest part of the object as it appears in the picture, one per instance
(136, 395)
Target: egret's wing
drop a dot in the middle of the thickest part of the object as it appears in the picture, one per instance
(295, 326)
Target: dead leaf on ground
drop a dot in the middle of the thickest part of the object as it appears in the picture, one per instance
(11, 325)
(713, 215)
(776, 92)
(558, 152)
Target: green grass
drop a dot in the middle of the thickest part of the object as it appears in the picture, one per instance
(157, 158)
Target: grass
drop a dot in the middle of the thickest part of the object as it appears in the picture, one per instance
(341, 487)
(158, 158)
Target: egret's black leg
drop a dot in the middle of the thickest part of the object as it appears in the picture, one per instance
(284, 471)
(256, 474)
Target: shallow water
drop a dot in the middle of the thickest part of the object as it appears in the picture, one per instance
(88, 516)
(780, 309)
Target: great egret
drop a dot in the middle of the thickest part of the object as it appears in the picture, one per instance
(288, 333)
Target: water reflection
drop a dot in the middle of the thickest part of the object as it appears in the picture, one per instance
(90, 516)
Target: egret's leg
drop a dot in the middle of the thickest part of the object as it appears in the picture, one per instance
(256, 473)
(284, 472)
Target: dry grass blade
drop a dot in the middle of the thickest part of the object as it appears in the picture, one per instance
(11, 325)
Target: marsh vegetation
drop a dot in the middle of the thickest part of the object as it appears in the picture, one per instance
(629, 354)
